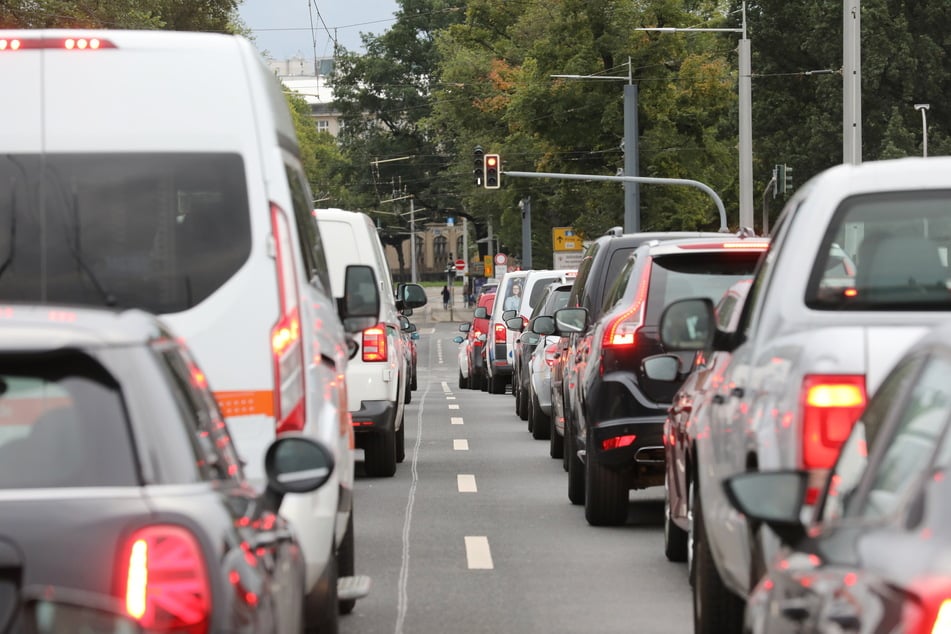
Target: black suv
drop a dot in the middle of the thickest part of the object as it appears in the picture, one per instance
(613, 413)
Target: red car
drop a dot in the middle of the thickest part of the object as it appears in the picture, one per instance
(480, 326)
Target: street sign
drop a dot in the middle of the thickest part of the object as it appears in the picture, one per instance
(565, 239)
(460, 265)
(500, 258)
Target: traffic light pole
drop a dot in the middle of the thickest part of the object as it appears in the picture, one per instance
(647, 180)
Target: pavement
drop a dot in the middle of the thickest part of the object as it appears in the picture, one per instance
(434, 312)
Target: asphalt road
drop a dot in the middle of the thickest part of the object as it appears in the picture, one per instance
(475, 532)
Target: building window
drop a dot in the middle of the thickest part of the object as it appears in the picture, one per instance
(440, 247)
(323, 125)
(420, 250)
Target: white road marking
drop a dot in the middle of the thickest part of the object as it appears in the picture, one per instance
(446, 388)
(460, 444)
(466, 483)
(478, 555)
(455, 420)
(450, 398)
(451, 406)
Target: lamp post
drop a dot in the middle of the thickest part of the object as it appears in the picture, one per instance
(923, 108)
(746, 116)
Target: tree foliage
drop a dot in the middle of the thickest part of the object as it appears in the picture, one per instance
(176, 15)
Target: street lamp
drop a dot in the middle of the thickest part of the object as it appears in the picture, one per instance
(923, 108)
(746, 113)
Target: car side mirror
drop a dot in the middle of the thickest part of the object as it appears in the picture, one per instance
(514, 323)
(359, 308)
(481, 313)
(688, 324)
(771, 497)
(571, 320)
(458, 339)
(543, 325)
(410, 296)
(508, 314)
(414, 336)
(465, 327)
(662, 367)
(294, 463)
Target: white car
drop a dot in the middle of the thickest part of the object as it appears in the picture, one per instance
(140, 183)
(379, 376)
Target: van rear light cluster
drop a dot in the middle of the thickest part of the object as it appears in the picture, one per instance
(928, 609)
(55, 43)
(287, 348)
(622, 330)
(500, 334)
(166, 585)
(830, 405)
(374, 344)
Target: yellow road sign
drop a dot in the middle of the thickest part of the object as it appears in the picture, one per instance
(565, 239)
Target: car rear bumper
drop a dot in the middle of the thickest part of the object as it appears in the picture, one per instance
(644, 454)
(374, 416)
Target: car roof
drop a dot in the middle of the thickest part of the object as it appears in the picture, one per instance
(39, 327)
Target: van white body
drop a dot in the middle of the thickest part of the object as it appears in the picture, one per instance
(377, 388)
(130, 134)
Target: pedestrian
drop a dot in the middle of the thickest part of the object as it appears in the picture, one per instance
(445, 297)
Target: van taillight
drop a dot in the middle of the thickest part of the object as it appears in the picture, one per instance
(928, 609)
(830, 404)
(622, 330)
(500, 334)
(67, 43)
(287, 349)
(166, 586)
(374, 343)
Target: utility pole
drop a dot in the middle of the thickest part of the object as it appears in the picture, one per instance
(851, 82)
(526, 206)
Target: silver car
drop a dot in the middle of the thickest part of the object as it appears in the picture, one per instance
(817, 334)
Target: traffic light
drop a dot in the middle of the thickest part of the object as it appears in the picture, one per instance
(492, 170)
(783, 175)
(478, 165)
(787, 177)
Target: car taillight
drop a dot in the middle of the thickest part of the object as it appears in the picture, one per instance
(622, 329)
(166, 586)
(551, 354)
(287, 349)
(928, 609)
(830, 405)
(500, 335)
(618, 441)
(68, 43)
(374, 343)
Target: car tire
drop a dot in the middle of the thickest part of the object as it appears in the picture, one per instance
(497, 384)
(380, 454)
(556, 443)
(716, 610)
(401, 441)
(346, 564)
(415, 384)
(675, 538)
(321, 608)
(606, 495)
(576, 489)
(541, 422)
(462, 381)
(523, 403)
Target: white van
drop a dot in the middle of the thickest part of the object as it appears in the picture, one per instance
(160, 170)
(379, 375)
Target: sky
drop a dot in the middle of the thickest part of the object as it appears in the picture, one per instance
(283, 27)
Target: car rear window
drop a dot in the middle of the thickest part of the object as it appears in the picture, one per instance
(160, 232)
(885, 252)
(538, 289)
(698, 274)
(62, 424)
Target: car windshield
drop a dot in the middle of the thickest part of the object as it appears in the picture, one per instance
(154, 231)
(62, 424)
(885, 251)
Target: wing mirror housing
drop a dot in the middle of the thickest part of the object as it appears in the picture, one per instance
(508, 314)
(571, 320)
(771, 497)
(543, 325)
(359, 308)
(294, 463)
(688, 324)
(481, 313)
(515, 323)
(410, 296)
(465, 327)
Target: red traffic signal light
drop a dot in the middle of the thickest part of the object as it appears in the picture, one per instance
(493, 166)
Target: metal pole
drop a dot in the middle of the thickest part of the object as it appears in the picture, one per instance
(746, 130)
(923, 108)
(526, 206)
(770, 185)
(851, 82)
(634, 179)
(412, 240)
(632, 203)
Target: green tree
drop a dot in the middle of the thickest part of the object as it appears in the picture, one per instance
(180, 15)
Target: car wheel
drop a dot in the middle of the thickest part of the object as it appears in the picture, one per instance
(531, 422)
(541, 427)
(675, 538)
(716, 610)
(415, 384)
(321, 608)
(401, 441)
(575, 471)
(691, 533)
(346, 563)
(523, 403)
(380, 454)
(556, 444)
(606, 495)
(462, 381)
(497, 384)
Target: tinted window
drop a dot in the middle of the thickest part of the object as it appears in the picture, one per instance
(617, 260)
(62, 424)
(577, 289)
(312, 249)
(616, 290)
(897, 245)
(538, 288)
(155, 231)
(685, 275)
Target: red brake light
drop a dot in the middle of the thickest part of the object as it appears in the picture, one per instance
(928, 609)
(166, 586)
(287, 349)
(830, 403)
(550, 354)
(68, 43)
(618, 442)
(374, 343)
(621, 330)
(500, 335)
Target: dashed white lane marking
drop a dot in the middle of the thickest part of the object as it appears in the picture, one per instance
(478, 555)
(450, 398)
(460, 444)
(466, 483)
(446, 388)
(451, 406)
(455, 420)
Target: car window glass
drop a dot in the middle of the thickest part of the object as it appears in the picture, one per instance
(875, 258)
(920, 423)
(765, 267)
(616, 262)
(852, 462)
(584, 268)
(156, 231)
(62, 424)
(311, 246)
(538, 287)
(616, 291)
